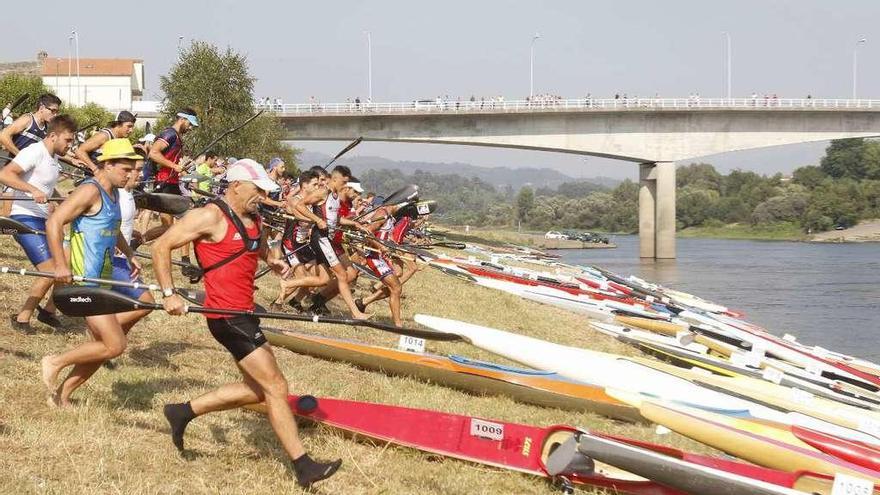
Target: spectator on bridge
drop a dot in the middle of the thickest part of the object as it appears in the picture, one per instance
(357, 103)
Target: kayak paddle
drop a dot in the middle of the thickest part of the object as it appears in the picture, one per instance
(193, 296)
(89, 301)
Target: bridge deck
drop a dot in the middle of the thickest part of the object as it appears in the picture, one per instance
(429, 107)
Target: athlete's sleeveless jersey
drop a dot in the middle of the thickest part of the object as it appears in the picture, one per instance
(32, 134)
(172, 153)
(344, 211)
(401, 227)
(93, 237)
(232, 284)
(330, 211)
(97, 153)
(386, 229)
(128, 212)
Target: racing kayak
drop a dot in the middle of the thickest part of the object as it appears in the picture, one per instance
(528, 386)
(597, 368)
(688, 359)
(528, 449)
(754, 441)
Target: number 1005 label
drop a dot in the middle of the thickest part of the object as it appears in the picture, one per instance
(487, 429)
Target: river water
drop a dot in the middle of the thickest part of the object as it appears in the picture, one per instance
(824, 294)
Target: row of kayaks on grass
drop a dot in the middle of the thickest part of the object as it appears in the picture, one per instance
(482, 377)
(571, 456)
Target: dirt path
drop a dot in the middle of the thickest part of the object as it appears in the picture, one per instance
(865, 231)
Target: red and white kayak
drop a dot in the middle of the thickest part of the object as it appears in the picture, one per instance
(528, 449)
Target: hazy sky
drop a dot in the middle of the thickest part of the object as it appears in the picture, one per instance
(426, 49)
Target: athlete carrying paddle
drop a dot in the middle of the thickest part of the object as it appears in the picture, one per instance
(95, 216)
(229, 241)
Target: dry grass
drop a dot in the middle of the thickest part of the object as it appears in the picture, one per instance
(116, 441)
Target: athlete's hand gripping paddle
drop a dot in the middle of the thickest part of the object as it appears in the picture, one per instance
(89, 301)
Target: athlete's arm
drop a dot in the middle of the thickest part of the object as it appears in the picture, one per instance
(19, 125)
(82, 200)
(10, 176)
(272, 257)
(91, 144)
(159, 159)
(200, 223)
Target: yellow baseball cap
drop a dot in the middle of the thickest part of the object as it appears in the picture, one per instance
(115, 149)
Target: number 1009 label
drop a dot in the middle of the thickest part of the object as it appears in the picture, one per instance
(850, 485)
(487, 429)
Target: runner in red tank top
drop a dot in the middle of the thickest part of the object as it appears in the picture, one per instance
(228, 241)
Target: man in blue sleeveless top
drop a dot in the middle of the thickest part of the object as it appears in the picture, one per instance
(30, 128)
(33, 175)
(94, 214)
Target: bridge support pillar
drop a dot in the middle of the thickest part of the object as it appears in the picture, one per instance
(657, 210)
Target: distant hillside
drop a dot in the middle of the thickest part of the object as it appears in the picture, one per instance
(500, 177)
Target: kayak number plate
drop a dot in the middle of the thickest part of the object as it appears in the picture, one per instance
(487, 429)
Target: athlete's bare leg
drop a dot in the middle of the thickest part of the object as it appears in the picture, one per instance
(82, 372)
(345, 292)
(110, 342)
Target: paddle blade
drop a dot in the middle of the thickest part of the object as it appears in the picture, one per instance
(171, 204)
(79, 300)
(9, 226)
(192, 295)
(344, 151)
(402, 195)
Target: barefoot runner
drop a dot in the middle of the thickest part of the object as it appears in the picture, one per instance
(33, 175)
(94, 214)
(228, 243)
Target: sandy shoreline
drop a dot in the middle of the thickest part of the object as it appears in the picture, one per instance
(865, 231)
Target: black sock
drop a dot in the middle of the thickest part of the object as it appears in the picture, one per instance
(178, 416)
(309, 471)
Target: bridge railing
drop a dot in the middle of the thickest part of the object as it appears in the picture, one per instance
(578, 104)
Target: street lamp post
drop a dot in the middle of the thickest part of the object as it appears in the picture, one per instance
(728, 62)
(179, 41)
(532, 66)
(369, 65)
(855, 66)
(78, 80)
(69, 70)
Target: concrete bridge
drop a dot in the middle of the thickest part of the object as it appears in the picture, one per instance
(654, 133)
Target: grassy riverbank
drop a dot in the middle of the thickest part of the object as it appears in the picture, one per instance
(783, 231)
(501, 237)
(115, 439)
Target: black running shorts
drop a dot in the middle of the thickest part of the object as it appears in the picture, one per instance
(167, 188)
(240, 335)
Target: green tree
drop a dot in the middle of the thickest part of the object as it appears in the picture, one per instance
(90, 114)
(218, 86)
(701, 175)
(810, 176)
(693, 205)
(12, 86)
(525, 202)
(844, 158)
